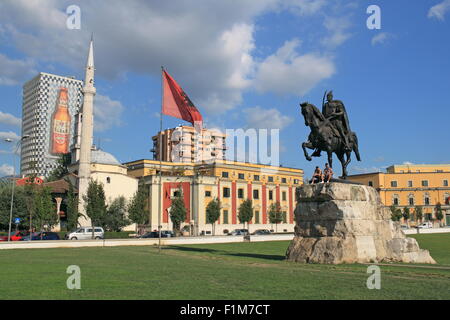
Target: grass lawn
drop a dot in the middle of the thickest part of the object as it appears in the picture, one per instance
(214, 271)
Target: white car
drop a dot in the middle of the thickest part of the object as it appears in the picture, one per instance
(85, 233)
(425, 225)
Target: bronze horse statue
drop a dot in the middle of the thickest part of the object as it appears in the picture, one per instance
(325, 137)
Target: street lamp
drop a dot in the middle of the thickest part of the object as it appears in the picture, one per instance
(13, 182)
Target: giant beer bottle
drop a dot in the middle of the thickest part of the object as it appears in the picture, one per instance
(61, 124)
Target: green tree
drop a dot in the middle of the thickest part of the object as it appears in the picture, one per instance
(406, 215)
(419, 214)
(19, 206)
(116, 215)
(45, 210)
(439, 214)
(137, 211)
(245, 213)
(72, 208)
(95, 204)
(61, 169)
(275, 214)
(396, 213)
(177, 212)
(213, 213)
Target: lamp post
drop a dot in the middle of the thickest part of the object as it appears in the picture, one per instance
(13, 182)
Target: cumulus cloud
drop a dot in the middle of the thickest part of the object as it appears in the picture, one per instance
(438, 11)
(107, 113)
(13, 71)
(9, 119)
(6, 170)
(276, 72)
(260, 118)
(338, 28)
(381, 38)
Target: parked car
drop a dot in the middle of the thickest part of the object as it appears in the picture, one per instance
(261, 232)
(167, 234)
(41, 236)
(425, 225)
(404, 227)
(240, 232)
(85, 233)
(155, 234)
(15, 236)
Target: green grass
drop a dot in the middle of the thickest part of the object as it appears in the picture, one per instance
(213, 271)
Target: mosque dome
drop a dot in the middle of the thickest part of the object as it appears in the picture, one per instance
(102, 157)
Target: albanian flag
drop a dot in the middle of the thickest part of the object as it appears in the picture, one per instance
(177, 104)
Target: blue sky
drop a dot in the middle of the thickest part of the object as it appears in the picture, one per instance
(245, 64)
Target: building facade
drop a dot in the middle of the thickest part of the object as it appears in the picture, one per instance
(413, 185)
(230, 182)
(50, 103)
(184, 144)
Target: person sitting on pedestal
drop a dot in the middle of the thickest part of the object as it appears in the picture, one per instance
(317, 176)
(328, 173)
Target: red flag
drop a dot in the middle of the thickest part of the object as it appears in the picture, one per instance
(177, 104)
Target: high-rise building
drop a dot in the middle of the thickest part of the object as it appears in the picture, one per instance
(184, 144)
(50, 103)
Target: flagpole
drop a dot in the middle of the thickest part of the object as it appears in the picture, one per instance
(160, 161)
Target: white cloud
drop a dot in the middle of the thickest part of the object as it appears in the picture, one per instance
(9, 119)
(107, 113)
(260, 118)
(9, 135)
(438, 11)
(6, 170)
(14, 72)
(338, 28)
(381, 38)
(287, 72)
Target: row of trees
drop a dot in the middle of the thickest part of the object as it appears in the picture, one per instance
(397, 214)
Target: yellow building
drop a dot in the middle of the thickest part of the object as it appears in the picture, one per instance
(412, 185)
(230, 182)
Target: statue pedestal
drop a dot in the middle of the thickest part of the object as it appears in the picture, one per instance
(347, 223)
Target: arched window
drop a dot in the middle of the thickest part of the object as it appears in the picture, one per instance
(426, 199)
(108, 180)
(411, 199)
(395, 200)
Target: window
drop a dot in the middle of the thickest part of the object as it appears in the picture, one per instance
(447, 199)
(224, 174)
(270, 195)
(426, 201)
(395, 202)
(283, 180)
(256, 177)
(411, 201)
(424, 183)
(256, 216)
(445, 183)
(226, 192)
(270, 179)
(256, 194)
(240, 193)
(241, 176)
(296, 181)
(108, 180)
(284, 217)
(394, 184)
(410, 184)
(176, 193)
(370, 183)
(225, 216)
(207, 193)
(283, 196)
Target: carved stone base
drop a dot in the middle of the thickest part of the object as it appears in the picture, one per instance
(347, 223)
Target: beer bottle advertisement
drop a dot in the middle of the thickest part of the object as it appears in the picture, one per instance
(61, 124)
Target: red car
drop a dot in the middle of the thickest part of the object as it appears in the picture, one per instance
(15, 236)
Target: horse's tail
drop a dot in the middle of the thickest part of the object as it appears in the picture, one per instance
(355, 146)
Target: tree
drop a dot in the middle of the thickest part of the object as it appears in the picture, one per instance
(19, 206)
(116, 215)
(275, 214)
(137, 211)
(245, 212)
(419, 213)
(61, 170)
(95, 204)
(439, 214)
(45, 210)
(406, 214)
(396, 213)
(213, 213)
(177, 212)
(72, 209)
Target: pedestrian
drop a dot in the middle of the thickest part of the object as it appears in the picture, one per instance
(328, 173)
(317, 176)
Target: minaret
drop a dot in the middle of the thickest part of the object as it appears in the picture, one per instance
(84, 168)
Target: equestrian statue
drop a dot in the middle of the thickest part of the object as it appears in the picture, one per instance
(330, 132)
